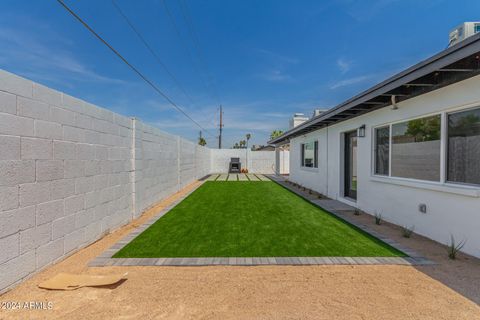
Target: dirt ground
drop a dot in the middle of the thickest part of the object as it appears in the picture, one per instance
(449, 290)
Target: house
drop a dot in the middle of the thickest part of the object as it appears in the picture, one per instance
(408, 148)
(262, 148)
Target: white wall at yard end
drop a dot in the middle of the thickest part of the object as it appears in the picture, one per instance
(258, 161)
(451, 209)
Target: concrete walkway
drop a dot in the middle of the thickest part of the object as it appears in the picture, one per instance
(332, 206)
(237, 177)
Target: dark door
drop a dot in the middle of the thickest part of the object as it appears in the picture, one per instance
(351, 165)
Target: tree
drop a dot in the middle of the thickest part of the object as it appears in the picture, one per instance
(424, 129)
(275, 134)
(242, 144)
(202, 141)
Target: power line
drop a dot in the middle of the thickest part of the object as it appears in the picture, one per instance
(129, 64)
(187, 48)
(196, 42)
(150, 49)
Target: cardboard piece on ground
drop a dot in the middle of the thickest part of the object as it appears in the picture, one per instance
(67, 281)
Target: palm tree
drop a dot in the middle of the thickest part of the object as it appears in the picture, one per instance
(202, 141)
(275, 134)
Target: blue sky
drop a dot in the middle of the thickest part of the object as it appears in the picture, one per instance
(263, 60)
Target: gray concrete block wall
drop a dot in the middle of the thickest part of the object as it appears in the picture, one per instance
(64, 175)
(71, 172)
(202, 161)
(156, 166)
(164, 164)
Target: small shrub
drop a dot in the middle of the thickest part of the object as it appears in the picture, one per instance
(320, 196)
(310, 191)
(454, 247)
(378, 218)
(356, 212)
(407, 231)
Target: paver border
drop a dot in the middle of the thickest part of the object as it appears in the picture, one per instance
(105, 259)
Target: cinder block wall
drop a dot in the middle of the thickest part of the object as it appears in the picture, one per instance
(164, 164)
(71, 171)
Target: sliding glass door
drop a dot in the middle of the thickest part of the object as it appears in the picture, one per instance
(350, 170)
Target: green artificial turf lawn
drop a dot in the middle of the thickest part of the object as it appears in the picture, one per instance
(251, 219)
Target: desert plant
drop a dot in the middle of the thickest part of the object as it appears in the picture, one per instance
(407, 231)
(454, 247)
(356, 212)
(378, 218)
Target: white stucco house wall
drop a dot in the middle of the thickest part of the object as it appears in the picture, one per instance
(408, 148)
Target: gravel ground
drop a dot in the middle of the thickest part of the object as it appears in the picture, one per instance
(449, 290)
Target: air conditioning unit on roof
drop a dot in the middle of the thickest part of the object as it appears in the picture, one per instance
(463, 31)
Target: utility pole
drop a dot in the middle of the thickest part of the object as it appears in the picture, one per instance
(220, 129)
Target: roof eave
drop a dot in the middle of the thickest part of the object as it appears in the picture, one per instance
(444, 58)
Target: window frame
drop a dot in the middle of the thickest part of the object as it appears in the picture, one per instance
(315, 154)
(374, 158)
(390, 125)
(443, 150)
(450, 182)
(302, 155)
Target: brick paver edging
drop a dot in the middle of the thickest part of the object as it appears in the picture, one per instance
(105, 259)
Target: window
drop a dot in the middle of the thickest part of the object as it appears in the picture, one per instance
(463, 157)
(416, 149)
(309, 154)
(302, 154)
(382, 150)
